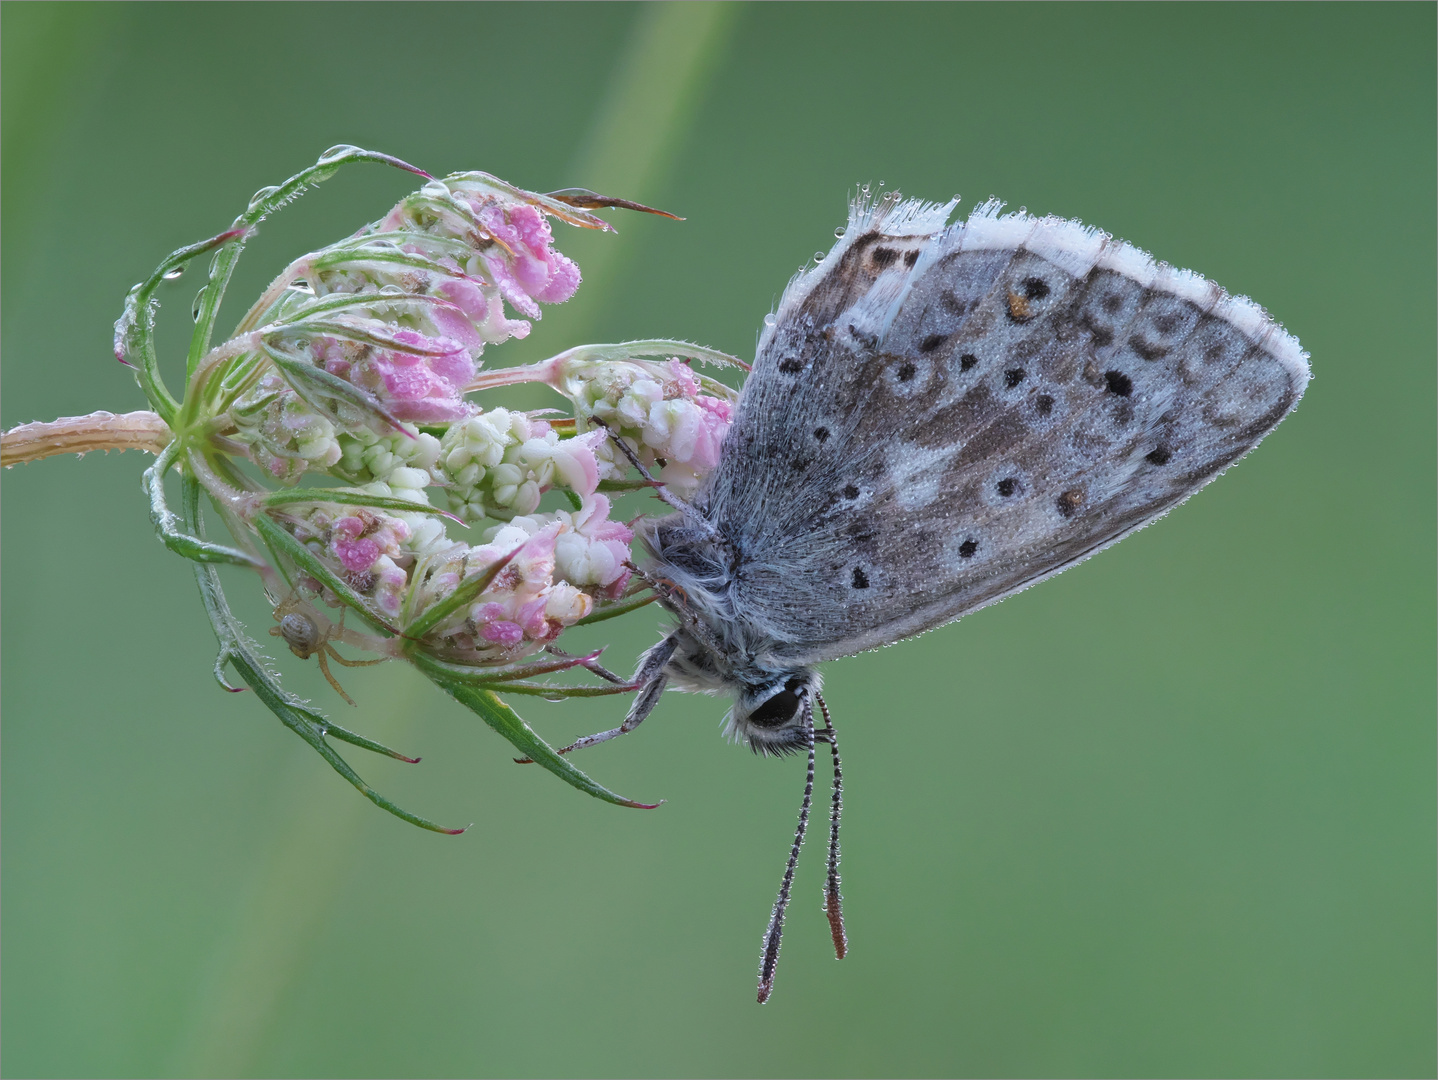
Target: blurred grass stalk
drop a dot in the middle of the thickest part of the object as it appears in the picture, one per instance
(659, 77)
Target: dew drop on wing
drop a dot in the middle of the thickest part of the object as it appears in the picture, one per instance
(769, 319)
(839, 233)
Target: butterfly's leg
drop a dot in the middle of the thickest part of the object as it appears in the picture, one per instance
(589, 665)
(679, 604)
(660, 489)
(651, 680)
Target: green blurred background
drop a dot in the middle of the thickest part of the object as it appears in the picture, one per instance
(1171, 814)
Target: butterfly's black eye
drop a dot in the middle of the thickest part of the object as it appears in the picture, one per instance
(780, 708)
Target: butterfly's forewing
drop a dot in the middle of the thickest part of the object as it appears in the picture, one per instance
(939, 418)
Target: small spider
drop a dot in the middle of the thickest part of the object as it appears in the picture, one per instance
(300, 627)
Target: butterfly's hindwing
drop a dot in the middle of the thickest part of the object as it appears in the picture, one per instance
(940, 418)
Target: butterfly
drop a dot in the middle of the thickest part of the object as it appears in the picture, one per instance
(937, 418)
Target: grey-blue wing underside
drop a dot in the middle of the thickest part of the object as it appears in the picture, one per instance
(941, 417)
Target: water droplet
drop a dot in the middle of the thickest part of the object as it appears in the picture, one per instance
(818, 256)
(865, 189)
(260, 196)
(300, 285)
(171, 275)
(769, 319)
(1023, 209)
(195, 307)
(881, 183)
(336, 152)
(839, 233)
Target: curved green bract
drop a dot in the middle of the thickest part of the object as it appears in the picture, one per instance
(617, 608)
(239, 652)
(494, 712)
(167, 524)
(261, 206)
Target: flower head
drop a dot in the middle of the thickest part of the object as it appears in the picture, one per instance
(677, 422)
(498, 464)
(403, 310)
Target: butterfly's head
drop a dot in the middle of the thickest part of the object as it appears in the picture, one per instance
(775, 716)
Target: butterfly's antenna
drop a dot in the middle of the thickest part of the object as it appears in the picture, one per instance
(832, 899)
(769, 957)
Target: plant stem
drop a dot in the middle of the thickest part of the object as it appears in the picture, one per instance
(81, 434)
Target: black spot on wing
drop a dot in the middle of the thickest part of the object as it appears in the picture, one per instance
(932, 342)
(1116, 382)
(1069, 502)
(1158, 456)
(967, 361)
(1013, 376)
(860, 580)
(1043, 404)
(1035, 288)
(968, 548)
(883, 256)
